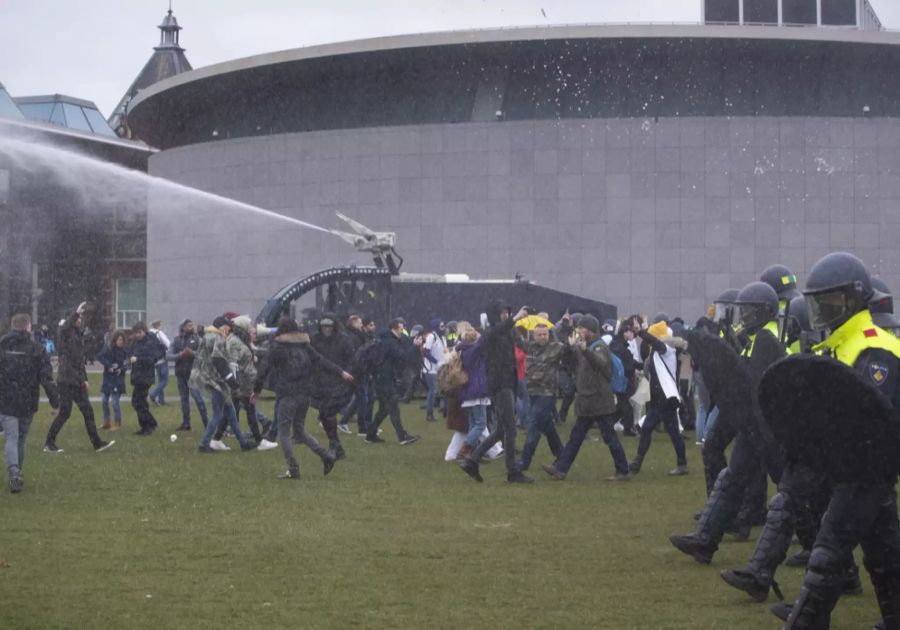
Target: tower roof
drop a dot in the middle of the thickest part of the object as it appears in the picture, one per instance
(167, 60)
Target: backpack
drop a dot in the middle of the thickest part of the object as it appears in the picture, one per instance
(617, 379)
(452, 375)
(17, 369)
(369, 357)
(160, 346)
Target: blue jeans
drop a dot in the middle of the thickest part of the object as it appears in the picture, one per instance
(477, 422)
(359, 406)
(158, 393)
(116, 408)
(523, 404)
(541, 424)
(711, 416)
(15, 430)
(431, 383)
(186, 392)
(576, 439)
(222, 408)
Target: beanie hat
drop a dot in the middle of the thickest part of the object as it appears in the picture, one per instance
(218, 322)
(591, 323)
(659, 329)
(243, 322)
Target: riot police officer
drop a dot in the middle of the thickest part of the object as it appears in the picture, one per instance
(838, 293)
(757, 305)
(803, 493)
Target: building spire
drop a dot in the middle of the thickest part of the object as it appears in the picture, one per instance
(168, 35)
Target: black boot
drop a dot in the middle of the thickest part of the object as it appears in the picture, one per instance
(770, 550)
(635, 466)
(812, 610)
(336, 446)
(799, 559)
(328, 459)
(719, 511)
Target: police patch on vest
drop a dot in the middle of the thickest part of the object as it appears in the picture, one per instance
(878, 372)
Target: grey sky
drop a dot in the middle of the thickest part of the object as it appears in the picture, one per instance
(94, 49)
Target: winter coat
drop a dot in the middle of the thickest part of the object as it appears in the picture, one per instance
(240, 357)
(542, 364)
(212, 368)
(475, 365)
(619, 347)
(182, 352)
(290, 364)
(499, 348)
(457, 418)
(331, 392)
(667, 354)
(397, 353)
(593, 393)
(70, 348)
(25, 368)
(147, 351)
(115, 363)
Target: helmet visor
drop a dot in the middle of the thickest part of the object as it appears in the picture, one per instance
(753, 315)
(722, 311)
(828, 309)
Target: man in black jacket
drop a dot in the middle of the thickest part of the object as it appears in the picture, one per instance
(72, 382)
(143, 354)
(500, 359)
(331, 392)
(359, 403)
(288, 369)
(182, 352)
(24, 367)
(394, 349)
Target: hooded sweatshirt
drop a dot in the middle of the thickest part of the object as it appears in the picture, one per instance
(499, 346)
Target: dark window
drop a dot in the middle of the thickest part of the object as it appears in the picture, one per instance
(839, 12)
(722, 10)
(798, 11)
(761, 11)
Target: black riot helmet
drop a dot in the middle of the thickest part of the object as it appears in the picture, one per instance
(757, 305)
(798, 326)
(724, 304)
(838, 288)
(882, 306)
(782, 280)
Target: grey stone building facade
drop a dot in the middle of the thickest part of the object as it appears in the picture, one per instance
(651, 208)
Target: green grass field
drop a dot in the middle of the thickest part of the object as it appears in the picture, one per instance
(151, 534)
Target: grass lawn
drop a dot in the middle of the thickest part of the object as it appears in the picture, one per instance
(151, 534)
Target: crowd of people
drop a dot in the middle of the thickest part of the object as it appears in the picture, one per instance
(517, 369)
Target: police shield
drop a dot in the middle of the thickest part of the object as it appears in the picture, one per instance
(725, 375)
(828, 417)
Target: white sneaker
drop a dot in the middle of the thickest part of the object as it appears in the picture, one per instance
(266, 445)
(343, 428)
(218, 445)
